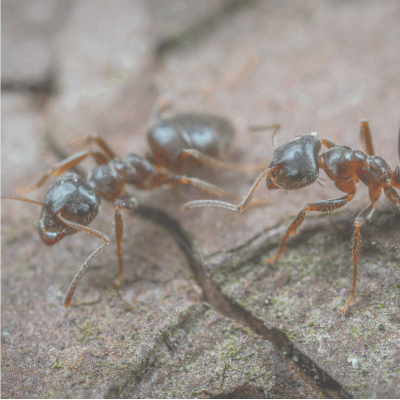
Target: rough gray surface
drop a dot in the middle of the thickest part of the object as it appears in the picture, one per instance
(214, 326)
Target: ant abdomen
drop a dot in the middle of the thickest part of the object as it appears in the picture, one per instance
(74, 200)
(296, 162)
(207, 133)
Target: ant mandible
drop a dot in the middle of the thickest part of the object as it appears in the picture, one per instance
(296, 165)
(71, 204)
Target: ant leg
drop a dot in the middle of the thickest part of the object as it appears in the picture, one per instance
(364, 216)
(322, 206)
(214, 162)
(100, 142)
(365, 134)
(130, 204)
(241, 206)
(85, 265)
(391, 194)
(66, 164)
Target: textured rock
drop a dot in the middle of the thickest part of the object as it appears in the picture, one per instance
(216, 325)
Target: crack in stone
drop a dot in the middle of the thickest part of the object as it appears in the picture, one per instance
(229, 308)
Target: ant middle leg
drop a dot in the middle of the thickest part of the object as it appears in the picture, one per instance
(322, 206)
(66, 164)
(129, 203)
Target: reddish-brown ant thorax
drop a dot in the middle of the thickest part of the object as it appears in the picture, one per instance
(75, 200)
(298, 163)
(342, 162)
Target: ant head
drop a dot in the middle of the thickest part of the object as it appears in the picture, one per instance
(75, 200)
(297, 163)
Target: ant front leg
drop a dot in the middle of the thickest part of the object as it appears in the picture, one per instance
(322, 206)
(66, 164)
(129, 203)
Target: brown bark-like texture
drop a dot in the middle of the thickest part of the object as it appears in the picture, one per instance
(199, 313)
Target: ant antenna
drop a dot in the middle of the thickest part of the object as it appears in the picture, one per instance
(275, 127)
(12, 197)
(85, 265)
(241, 206)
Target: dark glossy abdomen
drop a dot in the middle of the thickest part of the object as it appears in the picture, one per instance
(208, 133)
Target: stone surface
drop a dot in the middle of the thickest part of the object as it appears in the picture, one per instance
(317, 66)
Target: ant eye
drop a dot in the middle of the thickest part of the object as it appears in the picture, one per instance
(83, 209)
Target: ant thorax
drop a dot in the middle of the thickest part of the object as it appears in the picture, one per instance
(108, 180)
(341, 163)
(297, 163)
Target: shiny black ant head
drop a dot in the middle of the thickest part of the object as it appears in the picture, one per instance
(297, 163)
(74, 200)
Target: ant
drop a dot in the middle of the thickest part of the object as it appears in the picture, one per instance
(296, 165)
(71, 204)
